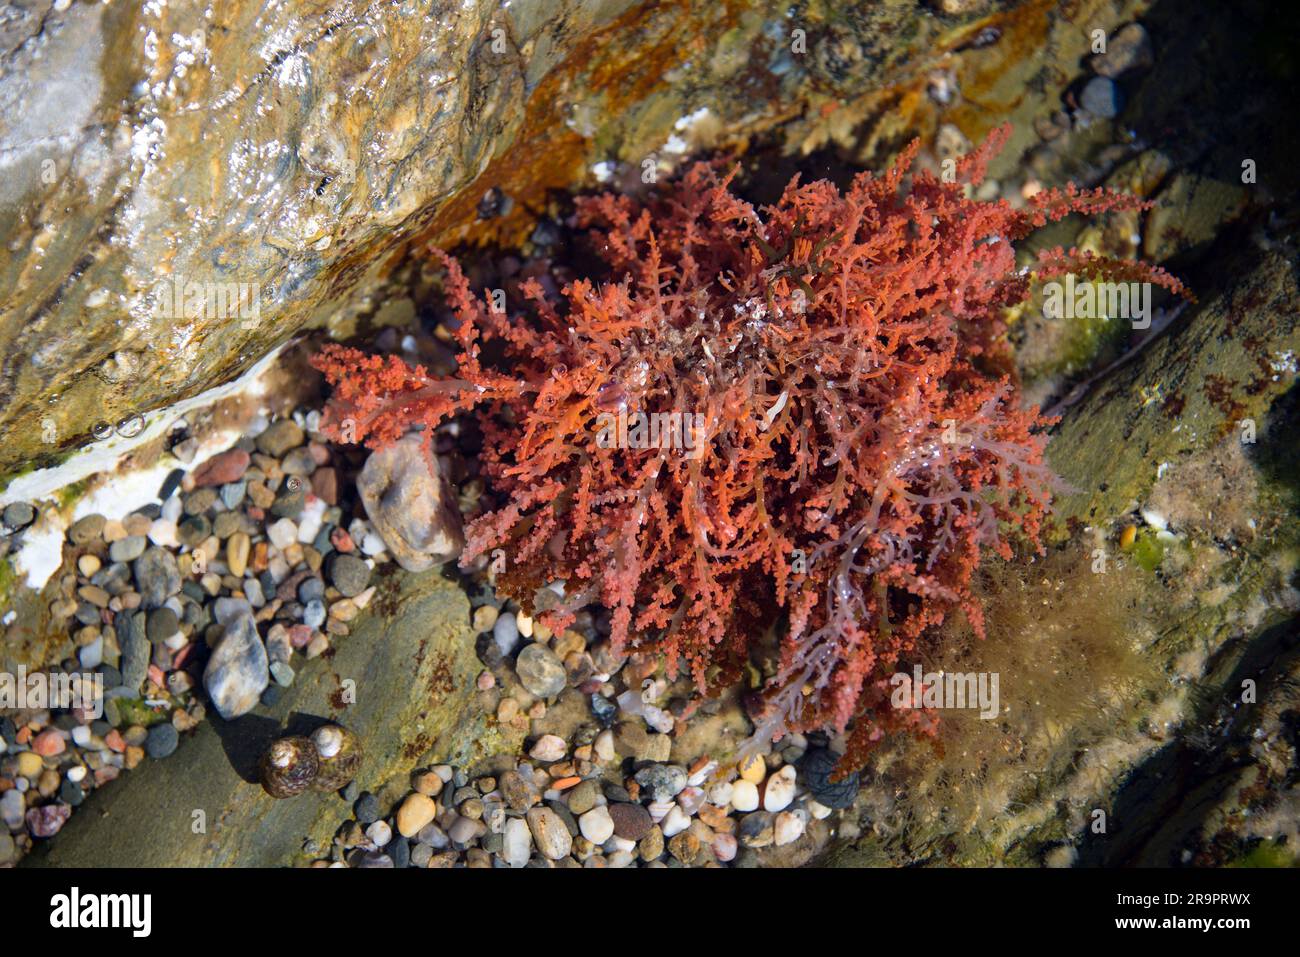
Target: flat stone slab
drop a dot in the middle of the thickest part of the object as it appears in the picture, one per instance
(410, 665)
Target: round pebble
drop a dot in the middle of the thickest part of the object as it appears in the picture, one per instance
(161, 741)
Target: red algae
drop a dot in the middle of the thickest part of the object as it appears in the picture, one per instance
(792, 413)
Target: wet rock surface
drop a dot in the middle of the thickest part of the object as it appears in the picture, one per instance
(180, 198)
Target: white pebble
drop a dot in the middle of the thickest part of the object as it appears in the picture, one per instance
(724, 847)
(163, 533)
(619, 859)
(818, 810)
(778, 792)
(744, 796)
(675, 822)
(380, 833)
(81, 735)
(309, 520)
(617, 843)
(517, 844)
(525, 624)
(604, 746)
(506, 632)
(77, 773)
(282, 533)
(372, 544)
(549, 747)
(596, 825)
(720, 793)
(171, 510)
(789, 826)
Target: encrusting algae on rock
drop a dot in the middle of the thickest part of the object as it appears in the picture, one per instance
(837, 438)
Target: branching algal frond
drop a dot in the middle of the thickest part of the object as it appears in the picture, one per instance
(848, 457)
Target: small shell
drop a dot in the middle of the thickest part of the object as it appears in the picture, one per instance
(289, 766)
(340, 757)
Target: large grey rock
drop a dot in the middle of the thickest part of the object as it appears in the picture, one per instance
(238, 672)
(410, 505)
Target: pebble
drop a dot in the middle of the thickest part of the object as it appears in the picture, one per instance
(313, 614)
(725, 847)
(631, 821)
(596, 825)
(19, 515)
(540, 671)
(349, 575)
(789, 827)
(753, 770)
(12, 808)
(548, 747)
(756, 829)
(380, 833)
(161, 741)
(367, 808)
(282, 534)
(29, 764)
(411, 505)
(238, 671)
(661, 781)
(517, 842)
(279, 437)
(128, 549)
(157, 576)
(549, 833)
(161, 624)
(399, 849)
(49, 743)
(86, 529)
(1128, 49)
(744, 796)
(415, 812)
(46, 821)
(136, 653)
(1102, 97)
(675, 821)
(222, 469)
(505, 632)
(237, 550)
(485, 618)
(778, 792)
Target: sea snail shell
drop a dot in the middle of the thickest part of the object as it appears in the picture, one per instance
(326, 761)
(339, 751)
(289, 766)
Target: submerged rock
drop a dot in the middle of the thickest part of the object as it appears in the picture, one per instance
(237, 673)
(413, 508)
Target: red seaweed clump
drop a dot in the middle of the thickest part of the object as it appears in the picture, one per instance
(795, 413)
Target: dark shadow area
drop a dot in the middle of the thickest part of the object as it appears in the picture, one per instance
(246, 738)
